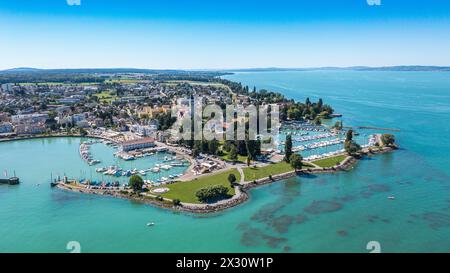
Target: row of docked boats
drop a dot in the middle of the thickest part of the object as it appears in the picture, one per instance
(85, 153)
(324, 155)
(296, 126)
(101, 184)
(313, 137)
(126, 156)
(110, 143)
(117, 171)
(316, 145)
(163, 180)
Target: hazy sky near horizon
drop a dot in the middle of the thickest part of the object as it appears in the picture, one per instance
(200, 34)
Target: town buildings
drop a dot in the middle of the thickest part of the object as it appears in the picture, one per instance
(141, 143)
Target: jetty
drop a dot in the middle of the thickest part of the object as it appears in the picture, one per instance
(85, 153)
(377, 128)
(10, 181)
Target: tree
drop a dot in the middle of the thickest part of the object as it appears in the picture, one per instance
(136, 183)
(249, 160)
(307, 102)
(213, 146)
(288, 148)
(338, 125)
(233, 153)
(165, 120)
(388, 139)
(296, 161)
(320, 103)
(351, 147)
(212, 193)
(294, 113)
(317, 121)
(197, 149)
(83, 132)
(349, 135)
(232, 179)
(176, 202)
(253, 148)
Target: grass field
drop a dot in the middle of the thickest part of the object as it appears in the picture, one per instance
(330, 162)
(58, 83)
(123, 81)
(185, 191)
(307, 165)
(240, 158)
(216, 84)
(253, 173)
(105, 96)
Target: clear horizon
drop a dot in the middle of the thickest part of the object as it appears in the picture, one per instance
(220, 69)
(204, 35)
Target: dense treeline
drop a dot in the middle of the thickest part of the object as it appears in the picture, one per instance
(89, 75)
(212, 193)
(308, 111)
(165, 120)
(250, 148)
(44, 77)
(290, 109)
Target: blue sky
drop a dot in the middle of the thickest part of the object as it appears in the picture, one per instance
(199, 34)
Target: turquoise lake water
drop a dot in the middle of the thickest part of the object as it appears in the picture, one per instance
(324, 213)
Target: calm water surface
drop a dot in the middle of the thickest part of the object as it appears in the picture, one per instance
(324, 213)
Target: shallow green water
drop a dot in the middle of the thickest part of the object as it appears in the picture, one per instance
(339, 212)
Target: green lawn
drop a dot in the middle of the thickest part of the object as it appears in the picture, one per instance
(185, 191)
(124, 80)
(307, 165)
(253, 173)
(330, 162)
(216, 84)
(240, 158)
(105, 96)
(58, 83)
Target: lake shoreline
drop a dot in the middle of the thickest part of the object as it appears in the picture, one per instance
(241, 195)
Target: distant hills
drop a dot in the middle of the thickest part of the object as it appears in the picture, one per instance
(89, 70)
(354, 68)
(30, 70)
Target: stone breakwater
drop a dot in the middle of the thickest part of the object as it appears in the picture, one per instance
(240, 197)
(268, 180)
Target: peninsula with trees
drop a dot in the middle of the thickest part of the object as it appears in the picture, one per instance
(131, 110)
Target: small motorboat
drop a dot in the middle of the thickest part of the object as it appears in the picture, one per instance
(391, 197)
(150, 224)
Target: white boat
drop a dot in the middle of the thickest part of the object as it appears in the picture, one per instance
(150, 224)
(391, 197)
(142, 172)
